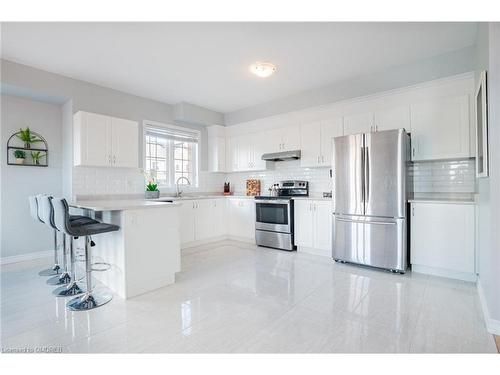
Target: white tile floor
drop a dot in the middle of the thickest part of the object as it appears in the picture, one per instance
(235, 297)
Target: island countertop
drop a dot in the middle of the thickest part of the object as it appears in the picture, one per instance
(119, 204)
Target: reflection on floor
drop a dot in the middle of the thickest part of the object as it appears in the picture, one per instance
(235, 297)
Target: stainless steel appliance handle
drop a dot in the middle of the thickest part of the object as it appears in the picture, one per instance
(363, 170)
(367, 175)
(272, 201)
(366, 222)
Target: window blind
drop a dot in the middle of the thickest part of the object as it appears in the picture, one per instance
(179, 135)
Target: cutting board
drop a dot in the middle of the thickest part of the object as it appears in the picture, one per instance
(253, 187)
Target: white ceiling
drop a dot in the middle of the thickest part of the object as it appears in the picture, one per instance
(207, 63)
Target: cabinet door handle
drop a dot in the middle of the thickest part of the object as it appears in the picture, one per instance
(413, 151)
(114, 159)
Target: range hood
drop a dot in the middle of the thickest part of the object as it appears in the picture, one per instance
(282, 156)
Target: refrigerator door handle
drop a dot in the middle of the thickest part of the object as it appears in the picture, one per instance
(367, 176)
(366, 222)
(363, 168)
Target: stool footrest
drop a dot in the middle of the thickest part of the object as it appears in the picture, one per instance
(101, 266)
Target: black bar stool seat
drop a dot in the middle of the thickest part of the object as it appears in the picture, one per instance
(62, 220)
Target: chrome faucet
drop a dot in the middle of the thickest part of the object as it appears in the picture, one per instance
(179, 192)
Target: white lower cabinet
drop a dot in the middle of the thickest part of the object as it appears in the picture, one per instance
(202, 219)
(241, 218)
(313, 226)
(442, 239)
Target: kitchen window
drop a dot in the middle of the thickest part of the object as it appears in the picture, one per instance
(171, 152)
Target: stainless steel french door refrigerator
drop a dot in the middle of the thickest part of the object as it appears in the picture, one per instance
(369, 200)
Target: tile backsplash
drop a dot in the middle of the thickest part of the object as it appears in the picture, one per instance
(447, 176)
(452, 176)
(319, 178)
(89, 181)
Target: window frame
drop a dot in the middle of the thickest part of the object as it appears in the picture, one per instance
(195, 152)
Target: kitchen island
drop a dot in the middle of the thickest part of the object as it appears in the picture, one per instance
(144, 254)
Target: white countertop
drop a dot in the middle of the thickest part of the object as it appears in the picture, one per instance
(442, 200)
(313, 198)
(119, 204)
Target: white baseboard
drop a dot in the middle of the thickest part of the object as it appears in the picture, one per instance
(207, 241)
(465, 276)
(241, 239)
(310, 250)
(26, 257)
(492, 325)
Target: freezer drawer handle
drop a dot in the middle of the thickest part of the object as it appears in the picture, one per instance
(366, 222)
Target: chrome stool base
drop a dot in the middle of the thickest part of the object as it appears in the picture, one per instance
(56, 270)
(69, 290)
(89, 301)
(64, 279)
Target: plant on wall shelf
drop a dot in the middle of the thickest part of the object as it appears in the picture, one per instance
(36, 156)
(20, 155)
(28, 138)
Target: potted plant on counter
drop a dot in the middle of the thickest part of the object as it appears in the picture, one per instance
(28, 138)
(20, 155)
(152, 191)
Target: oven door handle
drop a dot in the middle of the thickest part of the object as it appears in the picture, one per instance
(272, 201)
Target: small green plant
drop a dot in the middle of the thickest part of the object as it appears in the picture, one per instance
(20, 154)
(36, 156)
(151, 187)
(28, 138)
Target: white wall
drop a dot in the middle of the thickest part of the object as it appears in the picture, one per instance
(445, 65)
(76, 95)
(489, 196)
(20, 233)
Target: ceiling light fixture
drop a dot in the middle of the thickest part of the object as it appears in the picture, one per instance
(263, 69)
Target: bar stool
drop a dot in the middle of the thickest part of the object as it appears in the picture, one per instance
(46, 213)
(90, 299)
(35, 214)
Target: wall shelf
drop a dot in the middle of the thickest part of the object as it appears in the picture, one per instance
(14, 143)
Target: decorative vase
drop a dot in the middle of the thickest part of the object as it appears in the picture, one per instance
(27, 145)
(152, 194)
(19, 161)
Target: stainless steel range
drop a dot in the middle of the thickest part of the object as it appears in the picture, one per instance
(274, 215)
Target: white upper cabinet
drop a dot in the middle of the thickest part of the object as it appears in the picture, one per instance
(440, 128)
(392, 118)
(245, 152)
(310, 144)
(437, 114)
(92, 139)
(317, 142)
(358, 123)
(216, 148)
(290, 138)
(104, 141)
(124, 143)
(329, 130)
(378, 119)
(281, 139)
